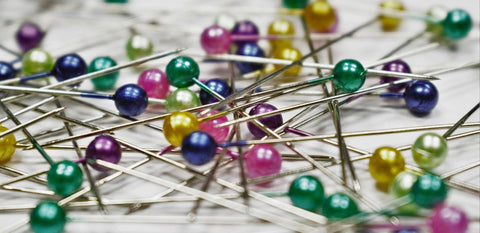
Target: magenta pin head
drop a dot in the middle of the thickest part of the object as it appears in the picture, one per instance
(155, 83)
(105, 148)
(272, 122)
(216, 40)
(445, 219)
(262, 160)
(219, 134)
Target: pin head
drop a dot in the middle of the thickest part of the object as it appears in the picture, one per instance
(138, 46)
(178, 125)
(385, 163)
(307, 192)
(64, 177)
(69, 66)
(105, 148)
(245, 28)
(49, 217)
(437, 12)
(428, 191)
(287, 53)
(7, 146)
(262, 160)
(6, 71)
(181, 99)
(295, 4)
(390, 23)
(339, 206)
(401, 186)
(130, 100)
(421, 97)
(181, 71)
(272, 122)
(348, 75)
(251, 50)
(281, 27)
(429, 150)
(457, 24)
(198, 148)
(29, 36)
(217, 85)
(107, 81)
(215, 40)
(35, 61)
(395, 66)
(320, 16)
(445, 219)
(219, 134)
(226, 21)
(154, 82)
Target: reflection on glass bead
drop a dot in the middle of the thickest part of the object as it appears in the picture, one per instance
(339, 206)
(429, 150)
(307, 193)
(105, 82)
(47, 217)
(428, 191)
(386, 162)
(64, 178)
(178, 125)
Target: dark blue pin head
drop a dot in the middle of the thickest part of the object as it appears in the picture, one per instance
(251, 50)
(217, 85)
(421, 97)
(69, 66)
(131, 100)
(6, 71)
(198, 148)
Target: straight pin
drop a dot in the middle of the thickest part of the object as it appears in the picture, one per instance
(30, 122)
(276, 219)
(366, 154)
(19, 172)
(29, 107)
(356, 93)
(91, 181)
(278, 204)
(102, 72)
(461, 121)
(297, 62)
(314, 102)
(6, 186)
(27, 134)
(239, 58)
(345, 157)
(457, 171)
(238, 135)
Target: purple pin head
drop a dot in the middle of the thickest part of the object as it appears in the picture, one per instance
(105, 148)
(272, 122)
(395, 66)
(29, 36)
(245, 28)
